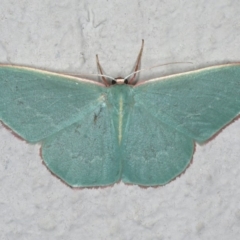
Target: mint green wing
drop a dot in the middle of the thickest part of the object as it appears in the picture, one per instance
(154, 153)
(197, 104)
(85, 153)
(68, 116)
(170, 114)
(37, 104)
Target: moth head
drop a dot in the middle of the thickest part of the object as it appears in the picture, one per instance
(119, 81)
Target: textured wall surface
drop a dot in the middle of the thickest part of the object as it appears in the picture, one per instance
(64, 36)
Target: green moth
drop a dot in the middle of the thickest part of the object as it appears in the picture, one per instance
(96, 134)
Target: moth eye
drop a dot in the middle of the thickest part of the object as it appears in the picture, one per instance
(114, 82)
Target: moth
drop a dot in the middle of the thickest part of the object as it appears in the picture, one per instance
(96, 134)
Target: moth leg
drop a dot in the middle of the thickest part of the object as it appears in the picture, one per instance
(137, 64)
(101, 71)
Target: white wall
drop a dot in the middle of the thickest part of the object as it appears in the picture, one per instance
(64, 36)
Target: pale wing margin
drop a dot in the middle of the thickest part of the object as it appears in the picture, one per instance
(197, 103)
(36, 104)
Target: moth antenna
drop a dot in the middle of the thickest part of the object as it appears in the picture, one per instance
(93, 74)
(144, 69)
